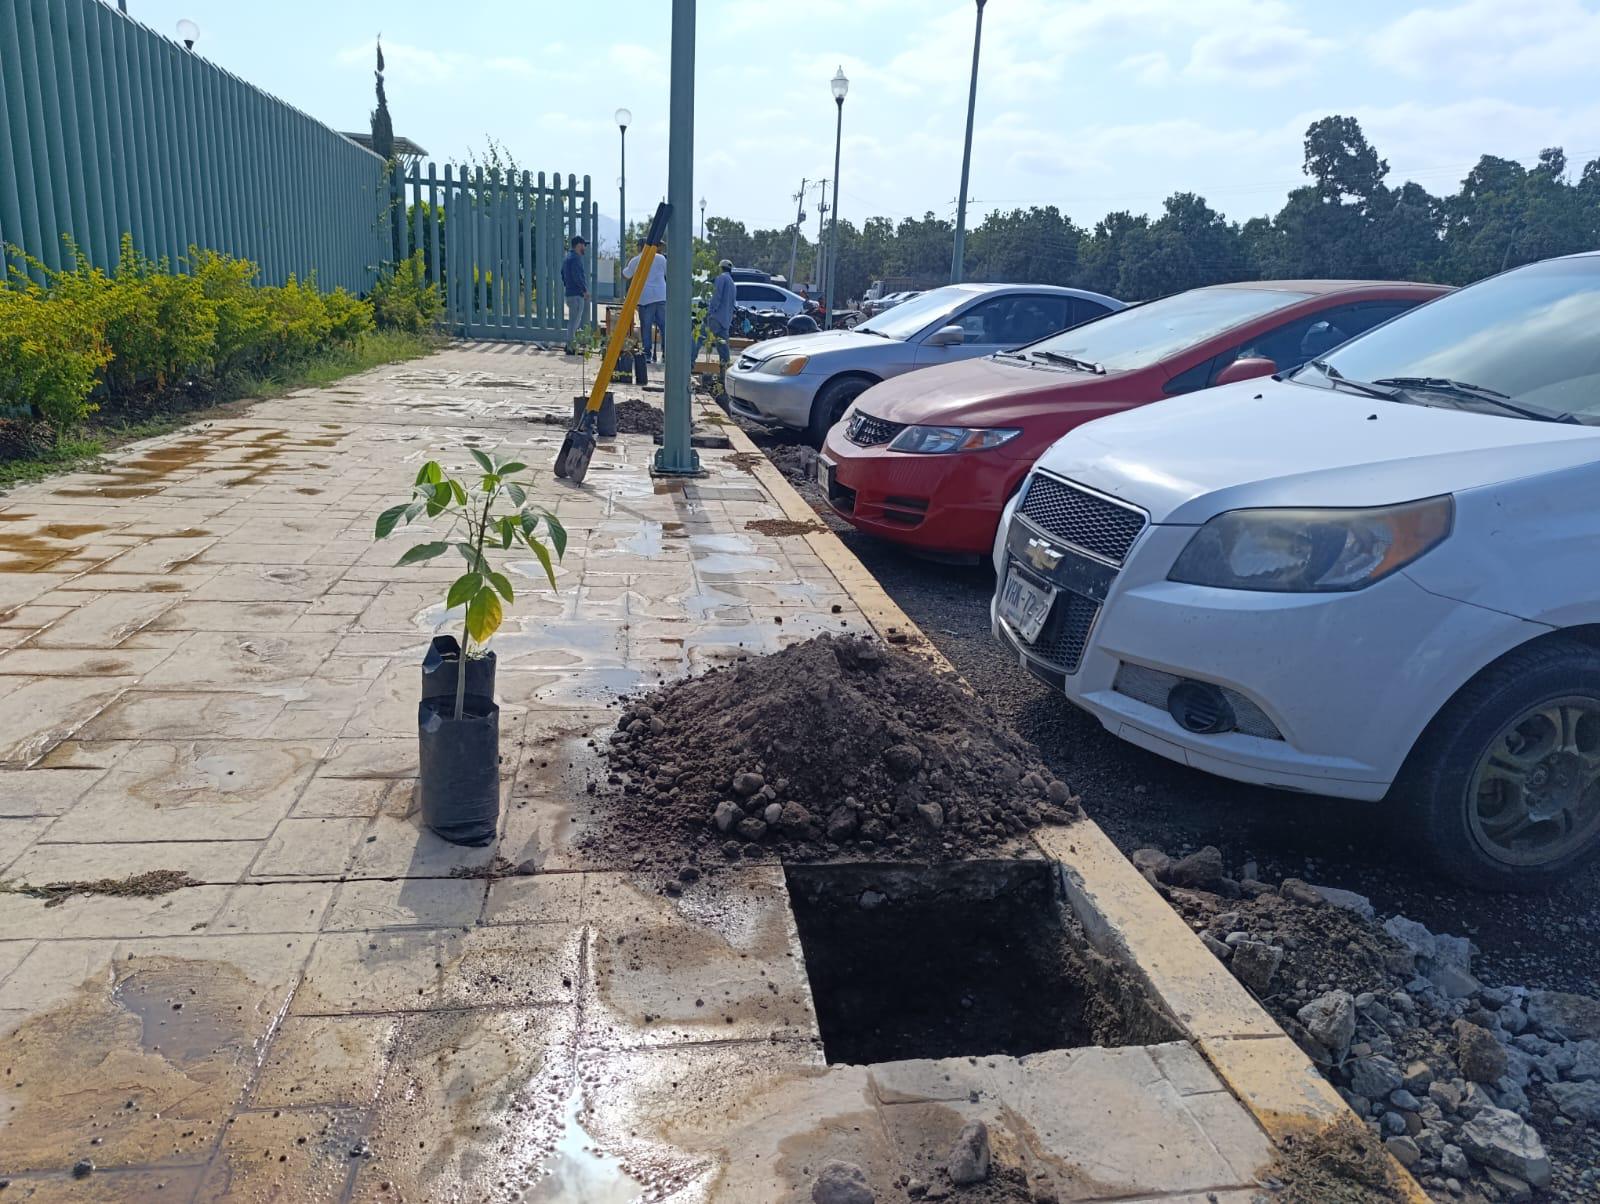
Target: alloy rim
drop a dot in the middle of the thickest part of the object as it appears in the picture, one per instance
(1534, 797)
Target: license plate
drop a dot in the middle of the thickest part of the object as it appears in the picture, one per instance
(1025, 606)
(825, 472)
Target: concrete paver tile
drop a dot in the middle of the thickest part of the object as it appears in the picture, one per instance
(43, 791)
(400, 847)
(217, 789)
(18, 834)
(342, 796)
(309, 848)
(269, 583)
(284, 1154)
(325, 1061)
(11, 956)
(204, 860)
(230, 616)
(408, 903)
(176, 913)
(256, 907)
(85, 754)
(421, 969)
(80, 662)
(535, 899)
(1234, 1133)
(104, 621)
(38, 713)
(112, 1185)
(720, 963)
(1184, 1068)
(235, 659)
(392, 757)
(169, 714)
(470, 1103)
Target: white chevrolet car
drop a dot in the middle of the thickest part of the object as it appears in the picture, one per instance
(1378, 575)
(807, 381)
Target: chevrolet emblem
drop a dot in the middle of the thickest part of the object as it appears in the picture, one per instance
(1041, 555)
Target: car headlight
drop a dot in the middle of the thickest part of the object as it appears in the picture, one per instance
(783, 365)
(935, 439)
(1311, 551)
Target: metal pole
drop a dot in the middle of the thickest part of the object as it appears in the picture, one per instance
(622, 206)
(966, 158)
(799, 212)
(817, 266)
(676, 456)
(833, 222)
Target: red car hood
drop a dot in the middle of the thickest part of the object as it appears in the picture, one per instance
(990, 392)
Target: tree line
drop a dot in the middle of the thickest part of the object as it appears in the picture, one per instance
(1346, 222)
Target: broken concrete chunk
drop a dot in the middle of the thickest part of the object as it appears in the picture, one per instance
(1347, 899)
(969, 1159)
(841, 1183)
(1331, 1021)
(1152, 861)
(1200, 869)
(1301, 892)
(1580, 1101)
(1255, 962)
(1561, 1013)
(1504, 1140)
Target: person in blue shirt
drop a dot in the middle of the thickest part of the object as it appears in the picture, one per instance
(719, 314)
(575, 280)
(652, 300)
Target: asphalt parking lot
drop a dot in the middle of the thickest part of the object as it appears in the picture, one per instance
(1539, 940)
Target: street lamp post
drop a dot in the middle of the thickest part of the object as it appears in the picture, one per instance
(840, 86)
(966, 158)
(702, 219)
(188, 33)
(624, 119)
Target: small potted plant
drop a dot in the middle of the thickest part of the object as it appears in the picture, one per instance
(458, 723)
(586, 344)
(632, 352)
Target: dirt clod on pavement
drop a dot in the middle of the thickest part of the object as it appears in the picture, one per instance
(839, 744)
(797, 461)
(784, 526)
(146, 885)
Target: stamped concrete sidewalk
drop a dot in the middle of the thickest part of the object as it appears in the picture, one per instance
(207, 666)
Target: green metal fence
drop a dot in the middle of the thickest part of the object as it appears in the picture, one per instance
(493, 244)
(106, 128)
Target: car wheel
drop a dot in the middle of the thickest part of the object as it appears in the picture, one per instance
(1505, 782)
(831, 402)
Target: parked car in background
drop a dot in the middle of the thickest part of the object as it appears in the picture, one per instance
(930, 463)
(753, 294)
(878, 305)
(808, 381)
(1371, 576)
(751, 275)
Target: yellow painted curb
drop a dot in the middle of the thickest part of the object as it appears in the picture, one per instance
(1122, 913)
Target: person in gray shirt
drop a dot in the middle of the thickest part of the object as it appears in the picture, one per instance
(719, 314)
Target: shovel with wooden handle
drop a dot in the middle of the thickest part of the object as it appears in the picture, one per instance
(572, 461)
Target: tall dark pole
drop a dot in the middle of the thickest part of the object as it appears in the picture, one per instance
(840, 86)
(966, 158)
(624, 117)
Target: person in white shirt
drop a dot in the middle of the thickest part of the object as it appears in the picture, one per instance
(652, 299)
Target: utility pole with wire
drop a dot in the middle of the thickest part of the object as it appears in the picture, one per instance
(799, 216)
(818, 270)
(959, 252)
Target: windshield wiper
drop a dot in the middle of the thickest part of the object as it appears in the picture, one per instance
(1460, 388)
(1356, 386)
(1071, 361)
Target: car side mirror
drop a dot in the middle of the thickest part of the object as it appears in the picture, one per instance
(947, 336)
(1248, 367)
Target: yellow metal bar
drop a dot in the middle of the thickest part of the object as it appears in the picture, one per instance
(620, 329)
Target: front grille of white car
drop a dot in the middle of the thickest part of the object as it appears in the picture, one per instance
(1153, 687)
(866, 431)
(1097, 524)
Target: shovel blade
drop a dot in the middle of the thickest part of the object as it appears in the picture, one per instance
(564, 456)
(578, 455)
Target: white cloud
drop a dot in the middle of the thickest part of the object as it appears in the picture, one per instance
(1262, 57)
(1490, 39)
(638, 64)
(419, 66)
(1152, 67)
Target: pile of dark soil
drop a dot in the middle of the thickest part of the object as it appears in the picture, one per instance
(797, 461)
(836, 744)
(635, 417)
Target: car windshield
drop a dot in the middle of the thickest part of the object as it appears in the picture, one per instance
(1527, 335)
(908, 317)
(1147, 334)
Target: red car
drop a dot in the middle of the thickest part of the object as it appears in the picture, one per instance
(929, 459)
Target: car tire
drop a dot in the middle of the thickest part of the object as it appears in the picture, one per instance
(832, 400)
(1506, 756)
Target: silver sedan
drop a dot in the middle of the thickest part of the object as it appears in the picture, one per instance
(807, 381)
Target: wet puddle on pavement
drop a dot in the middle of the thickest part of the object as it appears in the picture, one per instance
(576, 1172)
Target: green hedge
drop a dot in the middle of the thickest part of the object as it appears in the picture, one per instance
(86, 337)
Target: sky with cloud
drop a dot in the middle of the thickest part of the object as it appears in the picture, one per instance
(1090, 105)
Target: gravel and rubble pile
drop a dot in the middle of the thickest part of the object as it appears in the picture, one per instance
(839, 745)
(635, 417)
(1485, 1092)
(797, 461)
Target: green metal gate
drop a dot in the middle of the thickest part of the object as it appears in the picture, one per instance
(493, 244)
